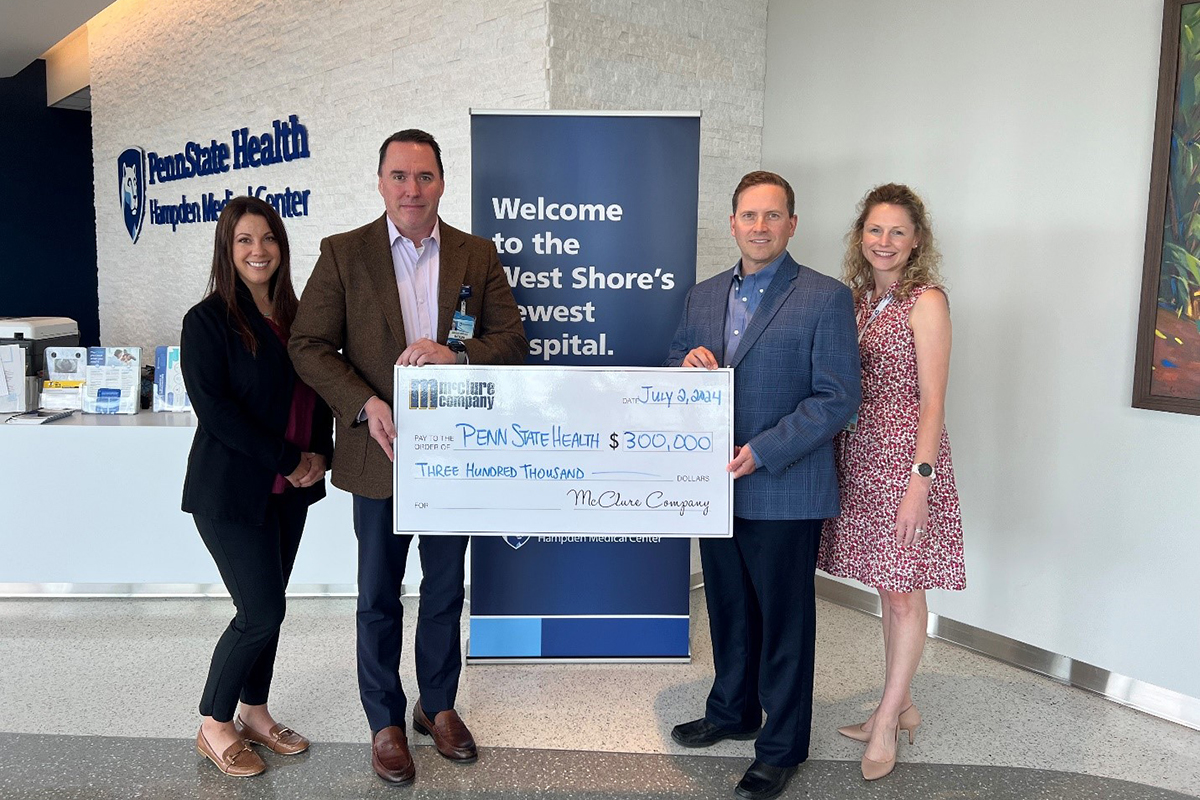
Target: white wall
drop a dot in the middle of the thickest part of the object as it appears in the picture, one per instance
(357, 70)
(353, 71)
(682, 55)
(1026, 126)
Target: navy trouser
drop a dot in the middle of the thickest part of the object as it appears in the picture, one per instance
(762, 614)
(255, 562)
(381, 559)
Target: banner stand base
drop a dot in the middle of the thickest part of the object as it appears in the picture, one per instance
(471, 661)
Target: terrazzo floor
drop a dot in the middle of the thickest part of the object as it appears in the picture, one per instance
(98, 697)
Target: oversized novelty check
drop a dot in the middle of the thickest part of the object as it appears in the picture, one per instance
(595, 450)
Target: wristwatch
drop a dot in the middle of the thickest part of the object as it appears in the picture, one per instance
(924, 470)
(459, 349)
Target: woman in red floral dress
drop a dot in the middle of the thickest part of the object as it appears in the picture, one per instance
(900, 531)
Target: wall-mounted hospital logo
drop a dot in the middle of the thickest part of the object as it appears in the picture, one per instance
(131, 184)
(516, 542)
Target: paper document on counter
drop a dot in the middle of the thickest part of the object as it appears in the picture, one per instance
(12, 378)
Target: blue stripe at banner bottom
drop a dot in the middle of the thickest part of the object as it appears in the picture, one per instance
(566, 637)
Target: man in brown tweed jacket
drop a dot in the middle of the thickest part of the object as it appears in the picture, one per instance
(381, 295)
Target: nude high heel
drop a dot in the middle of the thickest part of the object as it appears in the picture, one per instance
(873, 770)
(910, 719)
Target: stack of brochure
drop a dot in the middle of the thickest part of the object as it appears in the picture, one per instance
(169, 391)
(112, 380)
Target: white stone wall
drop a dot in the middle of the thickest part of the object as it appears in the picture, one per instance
(354, 71)
(679, 55)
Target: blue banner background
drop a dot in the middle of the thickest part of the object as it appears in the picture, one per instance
(528, 598)
(650, 166)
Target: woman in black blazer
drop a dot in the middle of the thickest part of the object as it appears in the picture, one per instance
(263, 442)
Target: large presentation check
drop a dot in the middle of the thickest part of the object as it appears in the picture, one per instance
(551, 450)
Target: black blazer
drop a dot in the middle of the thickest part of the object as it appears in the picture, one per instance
(242, 404)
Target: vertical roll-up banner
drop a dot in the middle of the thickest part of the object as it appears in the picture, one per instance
(594, 215)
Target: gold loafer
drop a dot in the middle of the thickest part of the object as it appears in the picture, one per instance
(238, 760)
(280, 739)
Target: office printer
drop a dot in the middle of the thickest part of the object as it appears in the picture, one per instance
(35, 334)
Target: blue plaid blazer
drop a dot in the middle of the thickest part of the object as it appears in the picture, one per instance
(797, 381)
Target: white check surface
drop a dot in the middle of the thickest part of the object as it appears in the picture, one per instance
(535, 449)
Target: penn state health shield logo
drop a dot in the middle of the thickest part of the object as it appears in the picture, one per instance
(516, 542)
(131, 184)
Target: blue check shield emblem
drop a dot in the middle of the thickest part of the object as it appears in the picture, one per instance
(516, 542)
(131, 185)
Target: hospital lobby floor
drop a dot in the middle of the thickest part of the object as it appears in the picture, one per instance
(98, 700)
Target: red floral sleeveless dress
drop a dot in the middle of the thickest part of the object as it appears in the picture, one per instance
(874, 464)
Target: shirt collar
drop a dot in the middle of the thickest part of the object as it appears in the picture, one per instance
(394, 234)
(765, 275)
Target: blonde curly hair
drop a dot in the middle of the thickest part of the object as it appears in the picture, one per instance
(923, 261)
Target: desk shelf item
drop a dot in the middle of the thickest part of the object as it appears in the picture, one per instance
(169, 392)
(113, 380)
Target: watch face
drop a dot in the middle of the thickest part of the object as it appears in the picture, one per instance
(457, 346)
(924, 470)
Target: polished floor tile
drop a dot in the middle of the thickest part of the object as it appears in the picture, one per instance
(134, 668)
(41, 767)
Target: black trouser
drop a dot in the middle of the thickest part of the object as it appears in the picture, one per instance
(382, 556)
(762, 613)
(255, 562)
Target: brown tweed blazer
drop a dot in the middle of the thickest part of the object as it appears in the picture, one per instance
(349, 331)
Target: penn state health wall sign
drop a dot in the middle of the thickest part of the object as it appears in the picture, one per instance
(284, 141)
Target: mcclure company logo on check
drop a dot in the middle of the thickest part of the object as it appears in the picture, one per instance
(430, 394)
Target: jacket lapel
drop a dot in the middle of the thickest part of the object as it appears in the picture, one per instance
(452, 270)
(782, 285)
(718, 301)
(375, 254)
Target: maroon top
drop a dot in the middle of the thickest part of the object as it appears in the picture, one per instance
(300, 417)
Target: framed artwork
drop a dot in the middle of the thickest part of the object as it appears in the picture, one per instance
(1167, 369)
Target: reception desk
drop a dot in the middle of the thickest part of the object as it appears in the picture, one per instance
(90, 505)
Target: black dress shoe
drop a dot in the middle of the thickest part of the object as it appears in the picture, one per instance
(762, 781)
(702, 733)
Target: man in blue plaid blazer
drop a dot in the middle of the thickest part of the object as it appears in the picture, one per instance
(790, 336)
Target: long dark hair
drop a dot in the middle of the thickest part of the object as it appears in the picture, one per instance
(223, 280)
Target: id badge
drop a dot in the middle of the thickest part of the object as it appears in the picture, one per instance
(463, 326)
(852, 425)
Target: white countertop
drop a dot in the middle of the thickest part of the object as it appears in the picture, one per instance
(143, 419)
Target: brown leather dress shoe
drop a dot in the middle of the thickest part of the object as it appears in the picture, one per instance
(280, 739)
(238, 760)
(449, 733)
(390, 756)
